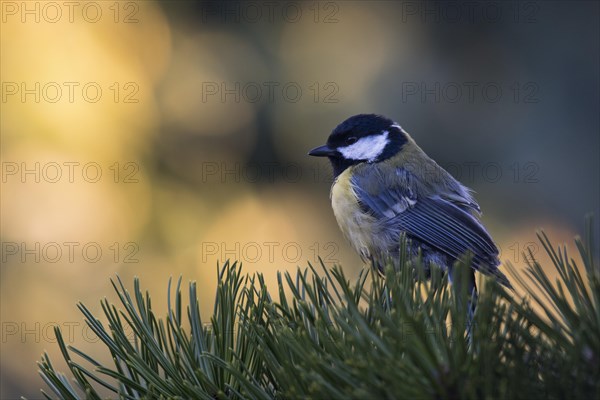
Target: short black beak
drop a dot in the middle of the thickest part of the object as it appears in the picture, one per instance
(322, 151)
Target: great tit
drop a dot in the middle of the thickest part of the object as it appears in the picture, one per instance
(385, 186)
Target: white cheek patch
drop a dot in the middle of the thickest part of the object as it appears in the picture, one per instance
(366, 148)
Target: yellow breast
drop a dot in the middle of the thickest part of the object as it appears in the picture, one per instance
(356, 225)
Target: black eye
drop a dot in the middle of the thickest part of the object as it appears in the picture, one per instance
(351, 140)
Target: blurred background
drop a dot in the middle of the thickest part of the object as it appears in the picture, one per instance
(156, 139)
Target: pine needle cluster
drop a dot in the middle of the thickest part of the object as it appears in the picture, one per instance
(321, 336)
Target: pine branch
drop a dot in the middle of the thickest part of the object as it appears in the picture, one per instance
(402, 336)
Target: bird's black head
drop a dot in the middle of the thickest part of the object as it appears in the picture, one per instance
(362, 138)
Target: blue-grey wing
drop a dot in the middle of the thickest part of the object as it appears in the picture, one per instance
(450, 229)
(441, 222)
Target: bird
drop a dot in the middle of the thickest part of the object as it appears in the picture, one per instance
(385, 187)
